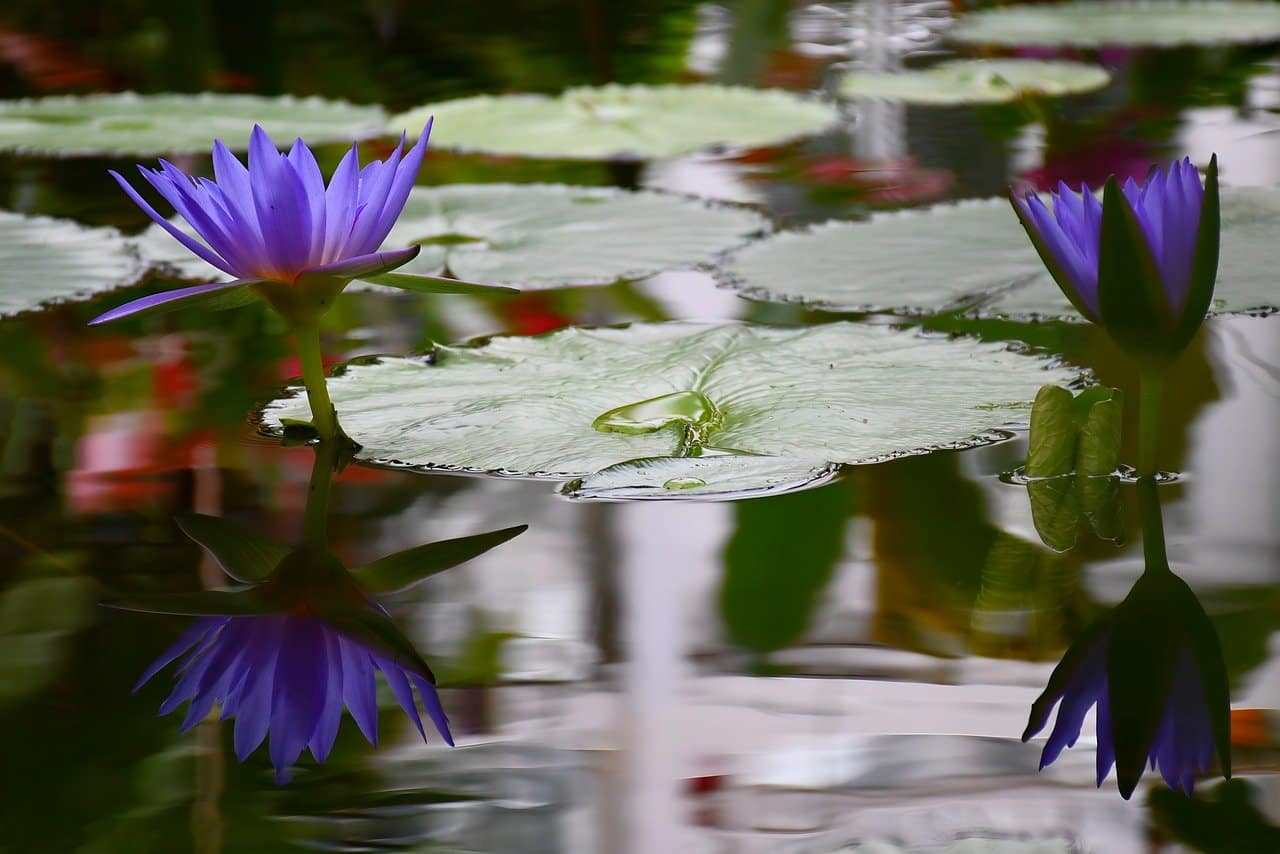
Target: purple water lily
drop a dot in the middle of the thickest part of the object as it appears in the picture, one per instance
(1162, 227)
(288, 675)
(1153, 668)
(1142, 263)
(277, 228)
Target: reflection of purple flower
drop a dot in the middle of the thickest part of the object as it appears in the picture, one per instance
(1151, 272)
(288, 674)
(276, 222)
(1159, 688)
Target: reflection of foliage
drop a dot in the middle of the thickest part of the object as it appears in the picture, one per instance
(394, 53)
(781, 556)
(1223, 820)
(39, 615)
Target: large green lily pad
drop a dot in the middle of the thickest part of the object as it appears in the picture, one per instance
(1157, 23)
(974, 257)
(720, 476)
(537, 236)
(635, 122)
(977, 81)
(48, 260)
(577, 401)
(147, 125)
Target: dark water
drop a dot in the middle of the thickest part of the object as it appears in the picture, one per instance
(847, 668)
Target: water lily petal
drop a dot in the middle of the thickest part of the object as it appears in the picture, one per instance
(178, 234)
(372, 264)
(212, 297)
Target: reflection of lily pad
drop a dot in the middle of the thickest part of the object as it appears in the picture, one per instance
(1095, 24)
(141, 125)
(537, 235)
(977, 81)
(840, 392)
(639, 122)
(974, 257)
(721, 477)
(52, 260)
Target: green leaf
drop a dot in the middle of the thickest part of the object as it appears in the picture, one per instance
(533, 236)
(1148, 23)
(243, 554)
(635, 122)
(1051, 448)
(50, 261)
(435, 284)
(1099, 502)
(140, 125)
(839, 392)
(976, 81)
(972, 257)
(715, 478)
(1098, 450)
(402, 570)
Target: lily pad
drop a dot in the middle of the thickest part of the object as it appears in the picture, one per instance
(973, 257)
(977, 81)
(720, 477)
(1157, 23)
(633, 122)
(146, 125)
(581, 400)
(537, 235)
(50, 260)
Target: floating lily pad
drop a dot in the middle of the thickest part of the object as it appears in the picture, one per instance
(144, 125)
(977, 81)
(974, 257)
(635, 122)
(719, 477)
(536, 235)
(49, 260)
(581, 400)
(1097, 24)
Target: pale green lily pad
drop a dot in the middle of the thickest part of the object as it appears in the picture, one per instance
(718, 477)
(842, 392)
(1098, 24)
(536, 236)
(146, 125)
(977, 81)
(635, 122)
(974, 257)
(50, 260)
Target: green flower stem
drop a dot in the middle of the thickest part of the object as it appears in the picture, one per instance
(315, 523)
(323, 416)
(1151, 389)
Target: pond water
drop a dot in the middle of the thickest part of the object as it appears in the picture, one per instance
(846, 668)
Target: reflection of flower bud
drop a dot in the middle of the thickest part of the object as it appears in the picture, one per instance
(290, 675)
(1142, 262)
(1154, 668)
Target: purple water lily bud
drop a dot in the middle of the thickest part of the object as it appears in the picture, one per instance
(1153, 668)
(288, 675)
(277, 228)
(1142, 262)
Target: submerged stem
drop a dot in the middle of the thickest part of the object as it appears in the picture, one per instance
(315, 523)
(1153, 547)
(1151, 388)
(323, 416)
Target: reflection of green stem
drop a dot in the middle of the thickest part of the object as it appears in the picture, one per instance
(1152, 525)
(323, 416)
(1150, 389)
(315, 527)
